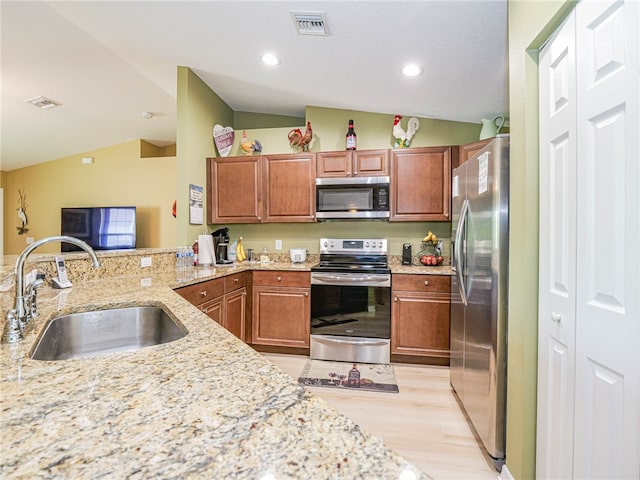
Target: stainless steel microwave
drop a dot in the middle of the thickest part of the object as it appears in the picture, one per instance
(352, 198)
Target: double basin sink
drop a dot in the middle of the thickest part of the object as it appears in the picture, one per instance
(86, 334)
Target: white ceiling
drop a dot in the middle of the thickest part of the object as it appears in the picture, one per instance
(106, 62)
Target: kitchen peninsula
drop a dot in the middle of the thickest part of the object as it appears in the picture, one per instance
(206, 405)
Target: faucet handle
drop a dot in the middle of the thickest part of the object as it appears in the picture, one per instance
(12, 331)
(30, 297)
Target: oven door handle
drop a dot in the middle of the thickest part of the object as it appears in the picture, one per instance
(350, 278)
(355, 341)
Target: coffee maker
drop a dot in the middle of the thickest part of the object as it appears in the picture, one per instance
(221, 245)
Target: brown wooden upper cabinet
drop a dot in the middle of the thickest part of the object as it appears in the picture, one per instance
(268, 188)
(421, 184)
(353, 163)
(465, 152)
(289, 188)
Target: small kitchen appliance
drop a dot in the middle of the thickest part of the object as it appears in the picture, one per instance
(406, 254)
(351, 301)
(352, 198)
(298, 255)
(221, 245)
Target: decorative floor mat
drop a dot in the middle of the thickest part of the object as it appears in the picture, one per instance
(357, 376)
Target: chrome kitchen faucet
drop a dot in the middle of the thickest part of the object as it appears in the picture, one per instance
(19, 318)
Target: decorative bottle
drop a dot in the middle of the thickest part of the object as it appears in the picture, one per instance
(353, 380)
(351, 137)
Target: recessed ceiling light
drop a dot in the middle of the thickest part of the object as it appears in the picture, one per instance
(411, 70)
(270, 59)
(147, 115)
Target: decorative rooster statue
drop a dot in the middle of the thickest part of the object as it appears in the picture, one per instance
(249, 147)
(297, 139)
(402, 138)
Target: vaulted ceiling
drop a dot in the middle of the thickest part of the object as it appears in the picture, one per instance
(106, 62)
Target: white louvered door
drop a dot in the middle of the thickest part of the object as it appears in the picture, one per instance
(589, 297)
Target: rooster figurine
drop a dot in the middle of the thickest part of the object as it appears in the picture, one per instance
(249, 147)
(297, 139)
(402, 138)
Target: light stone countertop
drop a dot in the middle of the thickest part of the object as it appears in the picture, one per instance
(204, 406)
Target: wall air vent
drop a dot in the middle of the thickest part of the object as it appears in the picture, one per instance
(42, 102)
(310, 23)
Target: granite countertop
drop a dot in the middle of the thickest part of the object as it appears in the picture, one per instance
(204, 406)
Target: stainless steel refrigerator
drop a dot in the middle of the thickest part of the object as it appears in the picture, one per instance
(480, 255)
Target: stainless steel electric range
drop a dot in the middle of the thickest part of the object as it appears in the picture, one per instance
(351, 301)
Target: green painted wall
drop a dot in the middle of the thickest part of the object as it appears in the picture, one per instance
(530, 24)
(249, 120)
(198, 110)
(374, 130)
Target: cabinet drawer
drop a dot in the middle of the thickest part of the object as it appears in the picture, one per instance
(203, 291)
(281, 277)
(234, 282)
(421, 283)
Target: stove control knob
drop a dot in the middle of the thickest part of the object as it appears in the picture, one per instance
(366, 244)
(325, 243)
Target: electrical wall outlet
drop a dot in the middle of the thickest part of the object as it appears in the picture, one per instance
(278, 244)
(145, 262)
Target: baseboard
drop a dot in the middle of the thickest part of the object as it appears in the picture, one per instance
(505, 474)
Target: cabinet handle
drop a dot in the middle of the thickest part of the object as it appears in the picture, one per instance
(556, 317)
(236, 280)
(426, 283)
(395, 299)
(279, 278)
(306, 294)
(203, 293)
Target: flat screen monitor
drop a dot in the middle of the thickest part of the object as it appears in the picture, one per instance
(103, 228)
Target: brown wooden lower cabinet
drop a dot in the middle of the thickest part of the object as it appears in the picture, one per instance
(281, 313)
(223, 300)
(420, 318)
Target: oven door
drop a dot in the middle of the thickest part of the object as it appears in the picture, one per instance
(351, 317)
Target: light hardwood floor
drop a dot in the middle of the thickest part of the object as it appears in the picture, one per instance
(423, 422)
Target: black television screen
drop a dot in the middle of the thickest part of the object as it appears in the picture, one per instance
(103, 228)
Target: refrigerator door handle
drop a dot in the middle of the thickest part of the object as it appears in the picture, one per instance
(464, 212)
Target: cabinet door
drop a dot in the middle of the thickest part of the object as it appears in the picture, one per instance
(214, 309)
(334, 164)
(290, 187)
(371, 163)
(465, 152)
(420, 324)
(281, 316)
(421, 184)
(234, 190)
(234, 312)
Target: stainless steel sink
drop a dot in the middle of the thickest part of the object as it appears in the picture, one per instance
(87, 334)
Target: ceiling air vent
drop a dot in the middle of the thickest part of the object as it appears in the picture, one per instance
(310, 23)
(42, 102)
